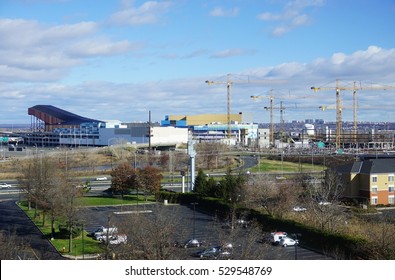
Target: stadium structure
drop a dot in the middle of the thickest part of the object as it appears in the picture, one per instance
(54, 127)
(48, 118)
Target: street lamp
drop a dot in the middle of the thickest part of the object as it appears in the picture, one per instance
(296, 244)
(42, 141)
(194, 218)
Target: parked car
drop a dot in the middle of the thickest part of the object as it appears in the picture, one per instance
(5, 186)
(216, 252)
(209, 253)
(100, 231)
(324, 203)
(115, 239)
(287, 241)
(276, 237)
(104, 178)
(192, 243)
(299, 209)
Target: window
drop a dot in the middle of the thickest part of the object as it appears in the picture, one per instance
(391, 189)
(391, 199)
(374, 189)
(391, 178)
(374, 200)
(374, 179)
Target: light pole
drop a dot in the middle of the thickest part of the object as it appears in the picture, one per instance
(83, 247)
(296, 244)
(194, 218)
(42, 141)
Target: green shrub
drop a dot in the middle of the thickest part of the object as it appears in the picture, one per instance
(64, 230)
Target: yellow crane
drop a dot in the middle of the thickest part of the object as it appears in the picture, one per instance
(354, 107)
(228, 83)
(281, 108)
(271, 132)
(339, 107)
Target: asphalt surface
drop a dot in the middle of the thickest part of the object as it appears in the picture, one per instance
(247, 242)
(14, 221)
(207, 228)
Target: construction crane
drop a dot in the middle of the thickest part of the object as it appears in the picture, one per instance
(354, 107)
(271, 97)
(271, 132)
(281, 108)
(339, 107)
(228, 83)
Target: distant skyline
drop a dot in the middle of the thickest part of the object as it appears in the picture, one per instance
(118, 60)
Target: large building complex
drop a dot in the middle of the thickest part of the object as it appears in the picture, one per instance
(52, 126)
(214, 127)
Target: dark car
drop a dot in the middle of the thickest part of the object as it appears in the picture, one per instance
(216, 252)
(208, 253)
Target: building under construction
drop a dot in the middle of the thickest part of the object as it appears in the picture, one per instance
(45, 118)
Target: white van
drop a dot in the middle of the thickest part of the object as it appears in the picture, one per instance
(277, 236)
(96, 234)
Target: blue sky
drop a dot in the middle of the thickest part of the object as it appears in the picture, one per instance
(120, 59)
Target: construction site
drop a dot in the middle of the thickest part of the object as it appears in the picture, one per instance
(51, 126)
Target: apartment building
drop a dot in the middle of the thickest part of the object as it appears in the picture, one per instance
(370, 179)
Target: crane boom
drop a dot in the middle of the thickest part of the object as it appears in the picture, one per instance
(271, 108)
(271, 132)
(339, 107)
(228, 83)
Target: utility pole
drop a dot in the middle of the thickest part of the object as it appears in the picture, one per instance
(149, 131)
(192, 154)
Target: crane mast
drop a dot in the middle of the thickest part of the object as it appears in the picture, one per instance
(271, 132)
(339, 107)
(228, 83)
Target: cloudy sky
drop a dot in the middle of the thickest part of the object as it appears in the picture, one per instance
(118, 60)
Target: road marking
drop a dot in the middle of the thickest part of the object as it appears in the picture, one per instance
(133, 212)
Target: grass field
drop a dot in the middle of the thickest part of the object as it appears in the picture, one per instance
(274, 166)
(81, 245)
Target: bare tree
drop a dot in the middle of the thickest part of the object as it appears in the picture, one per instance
(150, 236)
(381, 238)
(245, 237)
(13, 248)
(323, 202)
(276, 198)
(39, 179)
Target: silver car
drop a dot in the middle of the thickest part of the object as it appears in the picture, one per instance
(5, 186)
(287, 241)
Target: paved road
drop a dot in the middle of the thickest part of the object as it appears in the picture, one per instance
(14, 221)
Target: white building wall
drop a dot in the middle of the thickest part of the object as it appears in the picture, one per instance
(160, 135)
(169, 135)
(264, 137)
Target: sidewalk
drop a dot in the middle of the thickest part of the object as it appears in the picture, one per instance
(83, 257)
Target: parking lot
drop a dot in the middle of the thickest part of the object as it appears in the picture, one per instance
(247, 242)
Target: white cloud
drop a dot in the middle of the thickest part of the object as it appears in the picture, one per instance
(132, 101)
(221, 12)
(47, 53)
(101, 47)
(231, 52)
(31, 33)
(148, 13)
(291, 17)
